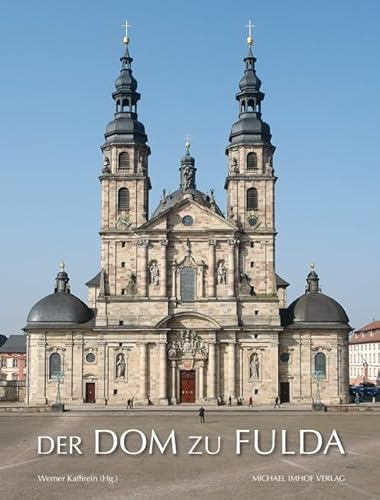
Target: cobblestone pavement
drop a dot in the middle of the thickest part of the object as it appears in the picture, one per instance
(224, 475)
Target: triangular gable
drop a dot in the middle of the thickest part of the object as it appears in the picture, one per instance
(204, 218)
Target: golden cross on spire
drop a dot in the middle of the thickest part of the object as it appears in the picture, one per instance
(187, 144)
(250, 26)
(126, 26)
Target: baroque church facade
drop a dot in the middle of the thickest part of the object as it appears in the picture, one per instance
(187, 306)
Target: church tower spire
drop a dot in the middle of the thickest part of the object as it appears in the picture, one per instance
(125, 180)
(250, 178)
(249, 151)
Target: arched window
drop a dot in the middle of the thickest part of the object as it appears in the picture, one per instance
(251, 105)
(252, 161)
(54, 365)
(123, 199)
(124, 161)
(320, 364)
(187, 284)
(252, 199)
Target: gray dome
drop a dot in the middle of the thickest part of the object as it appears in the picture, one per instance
(124, 128)
(250, 129)
(126, 81)
(60, 308)
(173, 198)
(316, 308)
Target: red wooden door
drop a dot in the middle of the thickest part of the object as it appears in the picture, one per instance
(188, 386)
(90, 392)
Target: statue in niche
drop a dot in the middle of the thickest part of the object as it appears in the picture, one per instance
(106, 166)
(154, 274)
(235, 166)
(172, 351)
(254, 366)
(188, 178)
(120, 366)
(221, 273)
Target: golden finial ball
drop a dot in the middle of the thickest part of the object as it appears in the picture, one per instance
(250, 40)
(126, 40)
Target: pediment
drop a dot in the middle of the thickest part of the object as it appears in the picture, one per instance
(203, 219)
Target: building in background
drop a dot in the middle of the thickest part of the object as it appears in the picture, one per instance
(13, 368)
(187, 306)
(365, 354)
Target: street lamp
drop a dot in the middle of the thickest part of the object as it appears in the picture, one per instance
(58, 406)
(318, 375)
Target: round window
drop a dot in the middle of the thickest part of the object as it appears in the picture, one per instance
(90, 358)
(187, 220)
(284, 357)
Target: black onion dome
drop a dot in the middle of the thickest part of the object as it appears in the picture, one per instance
(60, 308)
(316, 307)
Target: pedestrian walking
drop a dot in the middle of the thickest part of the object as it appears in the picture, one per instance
(250, 401)
(230, 401)
(202, 415)
(277, 403)
(357, 398)
(128, 404)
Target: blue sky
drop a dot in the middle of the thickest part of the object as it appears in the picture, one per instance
(318, 62)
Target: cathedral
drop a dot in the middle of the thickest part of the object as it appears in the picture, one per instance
(187, 306)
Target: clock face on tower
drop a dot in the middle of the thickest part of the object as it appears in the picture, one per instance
(123, 220)
(252, 220)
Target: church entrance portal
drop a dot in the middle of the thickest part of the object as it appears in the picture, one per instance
(284, 392)
(188, 386)
(90, 392)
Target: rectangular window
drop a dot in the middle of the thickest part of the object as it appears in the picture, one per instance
(252, 264)
(14, 363)
(3, 363)
(123, 264)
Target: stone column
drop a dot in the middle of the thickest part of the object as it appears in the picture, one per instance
(231, 369)
(163, 396)
(201, 381)
(163, 269)
(211, 268)
(174, 281)
(211, 378)
(231, 269)
(218, 374)
(143, 373)
(142, 265)
(237, 266)
(173, 397)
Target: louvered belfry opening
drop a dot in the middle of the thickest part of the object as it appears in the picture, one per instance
(124, 161)
(252, 202)
(123, 199)
(252, 161)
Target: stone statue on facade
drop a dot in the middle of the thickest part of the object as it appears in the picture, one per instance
(120, 365)
(254, 366)
(154, 274)
(188, 178)
(221, 274)
(189, 344)
(172, 350)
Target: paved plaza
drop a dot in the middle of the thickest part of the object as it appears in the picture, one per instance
(183, 476)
